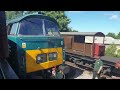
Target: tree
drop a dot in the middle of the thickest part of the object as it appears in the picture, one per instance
(118, 36)
(74, 31)
(61, 18)
(13, 14)
(111, 35)
(110, 51)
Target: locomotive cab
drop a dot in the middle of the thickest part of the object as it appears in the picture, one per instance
(35, 44)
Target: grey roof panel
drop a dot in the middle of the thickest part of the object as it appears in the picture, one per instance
(82, 33)
(110, 40)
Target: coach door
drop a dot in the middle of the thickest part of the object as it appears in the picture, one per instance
(68, 42)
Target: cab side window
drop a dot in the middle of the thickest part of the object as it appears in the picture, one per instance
(12, 29)
(8, 28)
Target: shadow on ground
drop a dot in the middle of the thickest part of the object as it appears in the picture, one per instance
(74, 73)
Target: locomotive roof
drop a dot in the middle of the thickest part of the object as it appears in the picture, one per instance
(31, 15)
(83, 33)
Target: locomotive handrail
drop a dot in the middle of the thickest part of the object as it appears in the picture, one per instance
(6, 70)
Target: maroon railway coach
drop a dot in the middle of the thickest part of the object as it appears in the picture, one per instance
(84, 43)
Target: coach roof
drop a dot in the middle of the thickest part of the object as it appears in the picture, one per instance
(83, 33)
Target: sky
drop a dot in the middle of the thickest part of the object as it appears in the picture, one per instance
(95, 21)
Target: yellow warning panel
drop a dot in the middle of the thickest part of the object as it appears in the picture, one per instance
(32, 66)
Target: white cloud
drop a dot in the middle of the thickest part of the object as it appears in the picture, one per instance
(114, 17)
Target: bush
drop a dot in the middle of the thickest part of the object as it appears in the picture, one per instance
(118, 53)
(110, 51)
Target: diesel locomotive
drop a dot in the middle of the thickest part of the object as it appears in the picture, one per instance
(35, 45)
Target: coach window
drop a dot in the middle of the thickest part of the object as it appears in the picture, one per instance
(31, 26)
(79, 39)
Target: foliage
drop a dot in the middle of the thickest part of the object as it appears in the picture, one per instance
(110, 51)
(111, 35)
(114, 35)
(61, 18)
(13, 14)
(118, 53)
(74, 31)
(118, 36)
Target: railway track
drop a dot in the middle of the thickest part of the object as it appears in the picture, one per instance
(84, 68)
